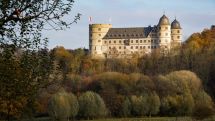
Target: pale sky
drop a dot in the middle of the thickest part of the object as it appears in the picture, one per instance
(193, 15)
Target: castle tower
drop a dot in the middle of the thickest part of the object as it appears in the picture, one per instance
(176, 31)
(164, 33)
(96, 34)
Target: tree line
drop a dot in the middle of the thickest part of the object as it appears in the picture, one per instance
(179, 83)
(114, 94)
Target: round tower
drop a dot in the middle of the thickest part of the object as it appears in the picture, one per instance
(96, 35)
(164, 33)
(176, 31)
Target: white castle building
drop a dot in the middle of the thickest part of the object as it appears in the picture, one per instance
(108, 42)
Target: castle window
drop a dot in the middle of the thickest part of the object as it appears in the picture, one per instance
(178, 37)
(119, 41)
(110, 41)
(124, 47)
(136, 41)
(119, 47)
(159, 28)
(99, 34)
(148, 47)
(178, 31)
(144, 47)
(95, 48)
(99, 40)
(131, 47)
(141, 41)
(136, 47)
(114, 41)
(131, 41)
(144, 41)
(166, 34)
(166, 28)
(141, 47)
(109, 47)
(149, 41)
(99, 29)
(105, 42)
(159, 34)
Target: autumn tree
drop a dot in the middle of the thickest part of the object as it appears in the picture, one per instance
(139, 105)
(63, 106)
(126, 108)
(91, 106)
(204, 106)
(24, 54)
(153, 102)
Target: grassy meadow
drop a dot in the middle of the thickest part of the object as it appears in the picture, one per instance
(134, 119)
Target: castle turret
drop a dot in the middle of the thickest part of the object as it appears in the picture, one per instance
(96, 34)
(176, 31)
(164, 33)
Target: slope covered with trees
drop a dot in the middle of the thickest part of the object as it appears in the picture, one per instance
(67, 84)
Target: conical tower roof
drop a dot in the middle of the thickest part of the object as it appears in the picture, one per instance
(164, 21)
(175, 25)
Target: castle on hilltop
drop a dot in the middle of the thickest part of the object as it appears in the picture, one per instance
(108, 42)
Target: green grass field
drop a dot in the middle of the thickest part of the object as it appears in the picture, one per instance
(147, 119)
(133, 119)
(150, 119)
(138, 119)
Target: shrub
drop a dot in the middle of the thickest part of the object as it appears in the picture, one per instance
(91, 106)
(126, 108)
(187, 79)
(63, 106)
(204, 106)
(139, 105)
(153, 101)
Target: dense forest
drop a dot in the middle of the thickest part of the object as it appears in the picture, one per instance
(72, 85)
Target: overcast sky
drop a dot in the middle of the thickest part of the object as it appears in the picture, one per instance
(193, 15)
